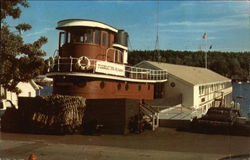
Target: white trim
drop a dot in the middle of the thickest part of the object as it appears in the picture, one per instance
(120, 46)
(83, 23)
(104, 77)
(210, 83)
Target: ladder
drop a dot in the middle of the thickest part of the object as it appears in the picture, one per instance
(150, 114)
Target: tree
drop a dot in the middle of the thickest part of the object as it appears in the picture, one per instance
(20, 62)
(229, 64)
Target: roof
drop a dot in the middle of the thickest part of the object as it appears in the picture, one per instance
(192, 75)
(84, 23)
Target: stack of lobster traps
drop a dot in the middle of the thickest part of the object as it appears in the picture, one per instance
(221, 120)
(57, 114)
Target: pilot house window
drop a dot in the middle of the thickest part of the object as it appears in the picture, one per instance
(104, 39)
(87, 36)
(97, 36)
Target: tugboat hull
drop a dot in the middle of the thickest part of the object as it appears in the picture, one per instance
(90, 88)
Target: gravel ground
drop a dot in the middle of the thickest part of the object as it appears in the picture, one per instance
(164, 143)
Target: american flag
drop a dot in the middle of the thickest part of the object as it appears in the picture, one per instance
(204, 36)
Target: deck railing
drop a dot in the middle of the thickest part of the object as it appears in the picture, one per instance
(68, 64)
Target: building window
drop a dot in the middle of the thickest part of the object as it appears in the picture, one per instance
(206, 89)
(201, 90)
(204, 108)
(203, 99)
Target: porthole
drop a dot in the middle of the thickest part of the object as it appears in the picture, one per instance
(148, 87)
(119, 86)
(126, 86)
(172, 84)
(139, 87)
(102, 84)
(81, 84)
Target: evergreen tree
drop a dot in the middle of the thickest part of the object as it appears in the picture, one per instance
(229, 64)
(20, 62)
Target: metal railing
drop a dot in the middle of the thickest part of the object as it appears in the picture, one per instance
(150, 112)
(68, 64)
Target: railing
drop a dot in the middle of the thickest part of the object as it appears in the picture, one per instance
(150, 112)
(68, 64)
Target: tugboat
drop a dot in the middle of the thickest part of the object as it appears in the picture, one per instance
(94, 89)
(92, 62)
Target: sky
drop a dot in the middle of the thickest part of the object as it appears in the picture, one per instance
(180, 24)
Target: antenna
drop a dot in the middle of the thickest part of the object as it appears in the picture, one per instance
(157, 45)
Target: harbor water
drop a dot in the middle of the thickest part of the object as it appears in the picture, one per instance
(241, 95)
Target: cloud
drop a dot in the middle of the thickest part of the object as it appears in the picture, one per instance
(208, 38)
(188, 4)
(186, 30)
(45, 30)
(241, 15)
(215, 23)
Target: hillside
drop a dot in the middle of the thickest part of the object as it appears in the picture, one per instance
(233, 65)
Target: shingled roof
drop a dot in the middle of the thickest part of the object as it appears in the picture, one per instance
(193, 75)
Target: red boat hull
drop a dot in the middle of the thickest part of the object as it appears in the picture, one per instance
(102, 89)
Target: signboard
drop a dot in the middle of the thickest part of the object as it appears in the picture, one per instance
(110, 68)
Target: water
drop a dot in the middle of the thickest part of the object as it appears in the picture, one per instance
(241, 94)
(239, 90)
(45, 91)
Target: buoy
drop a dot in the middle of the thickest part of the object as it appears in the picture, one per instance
(32, 157)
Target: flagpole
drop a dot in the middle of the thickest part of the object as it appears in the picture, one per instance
(204, 36)
(206, 53)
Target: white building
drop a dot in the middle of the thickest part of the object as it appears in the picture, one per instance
(28, 89)
(198, 88)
